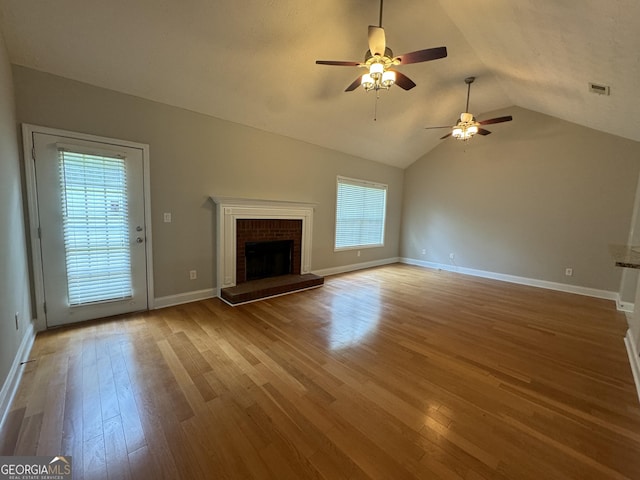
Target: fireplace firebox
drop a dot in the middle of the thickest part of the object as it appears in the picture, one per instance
(270, 232)
(267, 259)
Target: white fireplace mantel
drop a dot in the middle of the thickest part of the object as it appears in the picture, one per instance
(229, 209)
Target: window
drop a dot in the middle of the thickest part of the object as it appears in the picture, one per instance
(360, 214)
(96, 228)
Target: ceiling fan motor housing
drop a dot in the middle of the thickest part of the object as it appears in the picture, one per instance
(387, 53)
(466, 117)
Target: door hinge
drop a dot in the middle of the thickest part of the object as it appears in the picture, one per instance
(33, 153)
(44, 306)
(39, 233)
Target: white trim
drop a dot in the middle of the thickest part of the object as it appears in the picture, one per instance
(532, 282)
(146, 178)
(32, 206)
(358, 182)
(229, 210)
(90, 150)
(628, 273)
(626, 307)
(28, 131)
(355, 266)
(634, 360)
(260, 202)
(12, 381)
(187, 297)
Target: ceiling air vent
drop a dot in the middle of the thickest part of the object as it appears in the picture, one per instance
(599, 89)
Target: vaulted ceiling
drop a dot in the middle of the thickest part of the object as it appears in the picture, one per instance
(253, 62)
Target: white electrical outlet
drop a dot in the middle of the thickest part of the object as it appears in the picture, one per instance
(423, 251)
(568, 272)
(193, 274)
(167, 218)
(358, 253)
(452, 256)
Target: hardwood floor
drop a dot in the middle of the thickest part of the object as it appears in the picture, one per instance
(391, 373)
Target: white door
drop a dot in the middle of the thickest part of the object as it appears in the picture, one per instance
(90, 201)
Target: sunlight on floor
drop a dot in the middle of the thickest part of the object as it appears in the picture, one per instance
(353, 322)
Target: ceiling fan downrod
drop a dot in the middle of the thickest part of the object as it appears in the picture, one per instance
(468, 81)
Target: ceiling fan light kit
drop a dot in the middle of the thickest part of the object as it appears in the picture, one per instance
(378, 78)
(466, 127)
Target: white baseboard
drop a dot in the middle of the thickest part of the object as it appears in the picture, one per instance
(532, 282)
(634, 360)
(10, 386)
(171, 300)
(187, 297)
(355, 266)
(626, 307)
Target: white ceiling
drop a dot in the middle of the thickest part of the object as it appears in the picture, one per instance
(253, 62)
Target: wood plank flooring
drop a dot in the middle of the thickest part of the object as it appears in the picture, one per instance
(396, 372)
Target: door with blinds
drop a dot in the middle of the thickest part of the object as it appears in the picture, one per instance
(90, 201)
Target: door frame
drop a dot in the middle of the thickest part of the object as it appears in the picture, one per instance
(34, 221)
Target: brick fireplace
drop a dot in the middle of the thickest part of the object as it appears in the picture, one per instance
(242, 220)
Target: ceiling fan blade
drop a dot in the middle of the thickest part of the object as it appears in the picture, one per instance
(508, 118)
(422, 55)
(446, 136)
(377, 40)
(354, 85)
(433, 128)
(403, 81)
(482, 131)
(338, 63)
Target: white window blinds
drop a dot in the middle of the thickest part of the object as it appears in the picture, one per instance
(95, 224)
(360, 213)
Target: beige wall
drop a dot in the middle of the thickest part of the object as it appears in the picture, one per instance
(14, 276)
(537, 195)
(194, 156)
